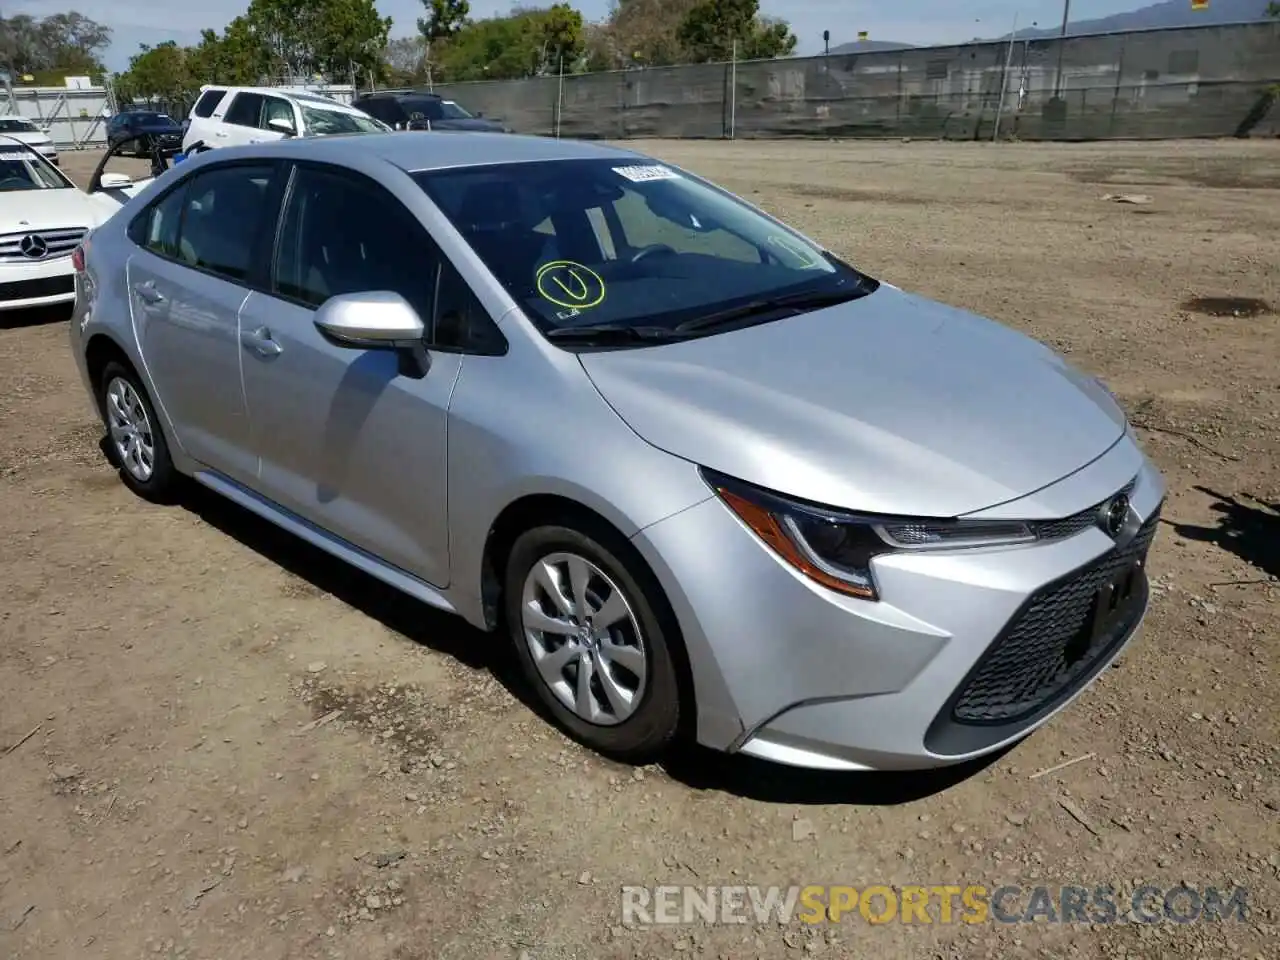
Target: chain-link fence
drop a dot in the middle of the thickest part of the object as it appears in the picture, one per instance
(1188, 82)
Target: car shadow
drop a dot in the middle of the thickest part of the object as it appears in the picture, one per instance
(696, 767)
(397, 611)
(1250, 531)
(35, 316)
(703, 769)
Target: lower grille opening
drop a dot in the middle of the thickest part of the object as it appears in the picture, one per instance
(1049, 649)
(41, 287)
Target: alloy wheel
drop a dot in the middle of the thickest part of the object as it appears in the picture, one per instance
(584, 638)
(131, 430)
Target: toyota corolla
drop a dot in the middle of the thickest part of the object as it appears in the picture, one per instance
(702, 474)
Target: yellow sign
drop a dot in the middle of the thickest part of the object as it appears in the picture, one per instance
(1199, 4)
(862, 34)
(570, 285)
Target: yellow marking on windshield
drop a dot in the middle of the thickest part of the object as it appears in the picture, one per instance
(569, 284)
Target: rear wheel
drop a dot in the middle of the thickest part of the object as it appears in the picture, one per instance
(136, 443)
(584, 615)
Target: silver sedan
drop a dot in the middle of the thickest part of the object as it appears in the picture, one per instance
(706, 477)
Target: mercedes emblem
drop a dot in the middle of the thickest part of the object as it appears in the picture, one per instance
(33, 246)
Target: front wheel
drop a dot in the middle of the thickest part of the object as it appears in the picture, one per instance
(584, 616)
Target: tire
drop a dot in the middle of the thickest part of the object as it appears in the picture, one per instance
(133, 429)
(643, 637)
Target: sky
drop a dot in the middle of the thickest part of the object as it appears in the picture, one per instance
(906, 21)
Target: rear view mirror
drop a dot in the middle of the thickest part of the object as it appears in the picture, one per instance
(377, 320)
(281, 125)
(114, 181)
(677, 213)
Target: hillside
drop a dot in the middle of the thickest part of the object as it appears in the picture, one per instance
(1169, 13)
(869, 46)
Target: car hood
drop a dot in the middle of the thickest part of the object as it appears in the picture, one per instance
(32, 139)
(48, 209)
(888, 404)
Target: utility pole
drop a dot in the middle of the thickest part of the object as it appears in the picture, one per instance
(1062, 45)
(1004, 78)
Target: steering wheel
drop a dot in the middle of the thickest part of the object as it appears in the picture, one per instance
(650, 250)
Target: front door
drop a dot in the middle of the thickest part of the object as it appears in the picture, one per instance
(345, 440)
(186, 288)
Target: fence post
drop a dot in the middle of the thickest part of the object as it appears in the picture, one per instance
(1004, 78)
(733, 90)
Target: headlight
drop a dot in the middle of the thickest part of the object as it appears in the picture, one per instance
(835, 548)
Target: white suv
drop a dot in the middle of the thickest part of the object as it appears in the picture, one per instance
(233, 116)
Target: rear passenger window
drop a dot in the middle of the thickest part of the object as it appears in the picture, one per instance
(208, 101)
(245, 109)
(221, 219)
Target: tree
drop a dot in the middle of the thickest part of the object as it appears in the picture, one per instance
(444, 19)
(304, 37)
(1273, 9)
(528, 42)
(644, 32)
(404, 59)
(53, 47)
(159, 72)
(712, 27)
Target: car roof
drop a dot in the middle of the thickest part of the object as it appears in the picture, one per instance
(296, 93)
(414, 151)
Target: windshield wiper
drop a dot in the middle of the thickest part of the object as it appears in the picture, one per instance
(796, 302)
(606, 334)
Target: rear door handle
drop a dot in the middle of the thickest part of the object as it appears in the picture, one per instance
(260, 342)
(148, 293)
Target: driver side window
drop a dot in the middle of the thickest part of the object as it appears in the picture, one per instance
(643, 228)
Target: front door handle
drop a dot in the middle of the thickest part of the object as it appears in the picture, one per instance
(260, 342)
(148, 293)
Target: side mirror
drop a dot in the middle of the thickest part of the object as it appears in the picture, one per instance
(377, 320)
(281, 125)
(115, 181)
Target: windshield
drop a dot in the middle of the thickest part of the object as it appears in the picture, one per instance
(153, 118)
(323, 123)
(582, 243)
(16, 125)
(429, 108)
(27, 170)
(451, 111)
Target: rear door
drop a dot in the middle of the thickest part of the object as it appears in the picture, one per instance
(239, 124)
(198, 245)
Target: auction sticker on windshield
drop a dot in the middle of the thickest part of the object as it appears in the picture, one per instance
(15, 156)
(643, 174)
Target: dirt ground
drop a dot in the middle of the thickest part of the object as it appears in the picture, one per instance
(176, 796)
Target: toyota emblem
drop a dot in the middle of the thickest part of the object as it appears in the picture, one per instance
(33, 246)
(1114, 515)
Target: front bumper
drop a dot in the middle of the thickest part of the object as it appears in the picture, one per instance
(37, 284)
(954, 662)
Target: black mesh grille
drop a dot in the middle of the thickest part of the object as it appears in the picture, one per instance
(1049, 647)
(1077, 522)
(43, 287)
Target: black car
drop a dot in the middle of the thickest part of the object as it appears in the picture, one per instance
(145, 128)
(416, 110)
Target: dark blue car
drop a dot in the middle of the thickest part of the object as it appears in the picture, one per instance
(146, 128)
